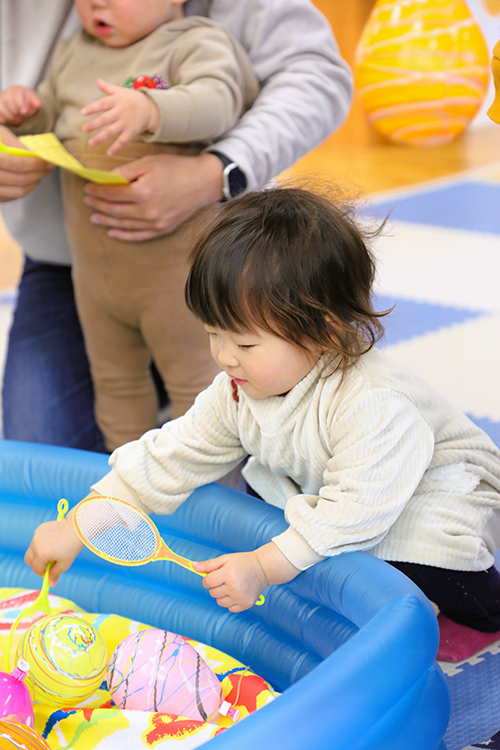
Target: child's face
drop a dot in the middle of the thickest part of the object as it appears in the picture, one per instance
(261, 363)
(119, 23)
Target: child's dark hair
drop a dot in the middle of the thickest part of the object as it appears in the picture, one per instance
(290, 262)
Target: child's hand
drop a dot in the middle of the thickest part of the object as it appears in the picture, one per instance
(16, 104)
(126, 113)
(237, 580)
(54, 541)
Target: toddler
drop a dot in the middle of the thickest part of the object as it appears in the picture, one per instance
(359, 452)
(167, 80)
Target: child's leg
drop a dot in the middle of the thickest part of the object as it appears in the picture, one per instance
(131, 303)
(176, 339)
(126, 401)
(469, 604)
(469, 598)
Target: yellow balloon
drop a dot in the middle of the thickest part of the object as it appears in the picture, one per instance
(421, 69)
(67, 657)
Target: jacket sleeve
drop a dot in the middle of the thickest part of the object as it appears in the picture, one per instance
(165, 465)
(306, 86)
(212, 86)
(381, 448)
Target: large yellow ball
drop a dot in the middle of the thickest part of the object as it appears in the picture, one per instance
(67, 657)
(421, 69)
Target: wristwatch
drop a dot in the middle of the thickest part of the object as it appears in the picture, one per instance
(234, 181)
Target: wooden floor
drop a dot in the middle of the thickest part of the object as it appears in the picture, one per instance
(368, 168)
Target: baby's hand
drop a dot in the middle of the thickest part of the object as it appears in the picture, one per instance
(16, 104)
(126, 114)
(236, 581)
(54, 541)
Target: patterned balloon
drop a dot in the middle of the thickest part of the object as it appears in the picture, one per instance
(421, 69)
(15, 736)
(155, 670)
(68, 659)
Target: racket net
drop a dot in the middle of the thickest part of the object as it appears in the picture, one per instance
(116, 531)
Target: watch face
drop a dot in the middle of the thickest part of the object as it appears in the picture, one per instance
(235, 181)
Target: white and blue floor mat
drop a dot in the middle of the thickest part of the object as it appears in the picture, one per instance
(439, 264)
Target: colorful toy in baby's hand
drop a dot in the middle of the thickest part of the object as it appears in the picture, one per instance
(14, 736)
(15, 698)
(68, 659)
(154, 670)
(121, 533)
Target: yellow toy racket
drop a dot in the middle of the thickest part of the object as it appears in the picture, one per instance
(41, 603)
(121, 533)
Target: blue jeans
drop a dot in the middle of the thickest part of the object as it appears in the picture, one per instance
(47, 389)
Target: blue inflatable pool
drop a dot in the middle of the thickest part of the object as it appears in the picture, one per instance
(351, 642)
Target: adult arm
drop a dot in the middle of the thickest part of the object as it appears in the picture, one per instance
(306, 86)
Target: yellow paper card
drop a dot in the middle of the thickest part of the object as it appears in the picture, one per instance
(14, 150)
(48, 147)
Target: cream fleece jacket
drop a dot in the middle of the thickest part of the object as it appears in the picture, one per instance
(378, 461)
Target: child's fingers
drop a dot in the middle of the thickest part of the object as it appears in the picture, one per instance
(29, 103)
(108, 88)
(101, 105)
(120, 142)
(208, 566)
(111, 130)
(35, 562)
(55, 572)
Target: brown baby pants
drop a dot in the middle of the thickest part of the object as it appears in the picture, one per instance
(130, 299)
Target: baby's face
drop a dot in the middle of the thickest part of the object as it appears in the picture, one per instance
(119, 23)
(260, 363)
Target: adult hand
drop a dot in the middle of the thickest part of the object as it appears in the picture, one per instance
(19, 175)
(164, 191)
